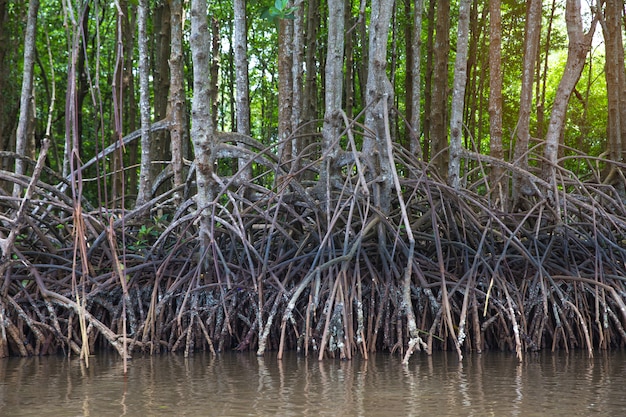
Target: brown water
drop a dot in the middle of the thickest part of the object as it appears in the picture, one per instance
(492, 384)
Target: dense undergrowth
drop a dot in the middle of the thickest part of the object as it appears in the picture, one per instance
(324, 272)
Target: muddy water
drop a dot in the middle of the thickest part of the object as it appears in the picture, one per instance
(491, 384)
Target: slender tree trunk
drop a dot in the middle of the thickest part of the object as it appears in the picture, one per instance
(310, 99)
(577, 50)
(497, 183)
(350, 72)
(541, 95)
(81, 72)
(458, 95)
(362, 69)
(615, 85)
(242, 97)
(428, 80)
(378, 89)
(439, 106)
(9, 103)
(521, 186)
(415, 63)
(202, 130)
(176, 99)
(297, 72)
(215, 70)
(26, 99)
(285, 90)
(333, 89)
(145, 179)
(130, 102)
(160, 142)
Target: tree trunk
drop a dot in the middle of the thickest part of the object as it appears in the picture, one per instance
(498, 185)
(176, 99)
(297, 72)
(414, 72)
(350, 71)
(26, 99)
(145, 179)
(8, 105)
(129, 21)
(333, 90)
(428, 80)
(285, 90)
(378, 89)
(578, 48)
(310, 101)
(160, 143)
(242, 97)
(458, 95)
(521, 186)
(615, 84)
(439, 106)
(541, 85)
(215, 70)
(202, 130)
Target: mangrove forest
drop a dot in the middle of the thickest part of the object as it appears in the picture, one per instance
(336, 177)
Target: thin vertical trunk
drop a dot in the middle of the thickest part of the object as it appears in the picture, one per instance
(428, 80)
(215, 70)
(532, 30)
(362, 69)
(145, 179)
(9, 103)
(439, 105)
(577, 50)
(83, 82)
(378, 89)
(541, 96)
(297, 72)
(415, 63)
(117, 158)
(310, 94)
(130, 102)
(285, 89)
(176, 96)
(497, 183)
(616, 85)
(160, 142)
(349, 58)
(26, 99)
(333, 89)
(202, 129)
(242, 91)
(458, 95)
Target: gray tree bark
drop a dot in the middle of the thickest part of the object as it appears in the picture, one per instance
(615, 75)
(242, 98)
(458, 95)
(145, 177)
(378, 88)
(439, 100)
(176, 97)
(578, 48)
(202, 129)
(416, 69)
(333, 89)
(26, 99)
(520, 154)
(498, 188)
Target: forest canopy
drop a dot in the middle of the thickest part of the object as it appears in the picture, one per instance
(335, 176)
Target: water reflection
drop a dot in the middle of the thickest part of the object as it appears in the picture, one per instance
(242, 384)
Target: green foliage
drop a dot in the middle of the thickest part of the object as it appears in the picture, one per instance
(277, 11)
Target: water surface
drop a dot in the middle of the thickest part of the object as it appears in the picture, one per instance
(240, 384)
